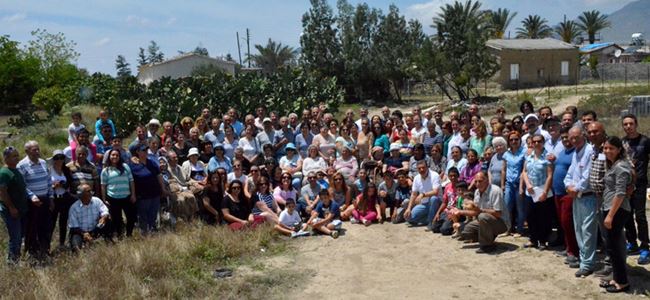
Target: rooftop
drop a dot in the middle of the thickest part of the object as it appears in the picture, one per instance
(530, 44)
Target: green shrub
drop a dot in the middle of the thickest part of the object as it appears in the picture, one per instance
(51, 99)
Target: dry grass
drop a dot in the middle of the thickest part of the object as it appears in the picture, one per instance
(170, 265)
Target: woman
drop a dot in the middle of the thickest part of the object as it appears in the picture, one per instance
(182, 194)
(285, 190)
(481, 140)
(326, 143)
(292, 164)
(447, 135)
(380, 139)
(314, 162)
(513, 160)
(236, 208)
(250, 145)
(333, 128)
(418, 132)
(211, 199)
(347, 165)
(366, 207)
(202, 125)
(206, 152)
(457, 160)
(252, 180)
(230, 141)
(63, 199)
(438, 162)
(404, 142)
(237, 173)
(148, 187)
(219, 160)
(168, 145)
(431, 137)
(517, 124)
(364, 139)
(181, 148)
(186, 124)
(342, 195)
(194, 140)
(376, 119)
(537, 176)
(526, 108)
(118, 190)
(154, 145)
(470, 170)
(497, 170)
(418, 155)
(265, 207)
(195, 171)
(303, 141)
(616, 211)
(345, 140)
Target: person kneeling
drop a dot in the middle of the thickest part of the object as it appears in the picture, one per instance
(326, 217)
(87, 219)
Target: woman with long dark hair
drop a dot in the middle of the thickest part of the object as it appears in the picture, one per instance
(366, 207)
(236, 208)
(118, 190)
(616, 211)
(63, 199)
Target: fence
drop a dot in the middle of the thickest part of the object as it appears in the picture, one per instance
(616, 72)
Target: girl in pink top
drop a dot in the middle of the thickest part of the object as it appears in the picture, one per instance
(366, 207)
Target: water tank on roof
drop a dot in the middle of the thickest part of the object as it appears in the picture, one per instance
(637, 39)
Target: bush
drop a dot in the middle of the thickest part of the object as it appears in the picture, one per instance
(51, 99)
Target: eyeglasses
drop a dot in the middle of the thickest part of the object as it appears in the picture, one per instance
(235, 188)
(537, 141)
(254, 171)
(338, 179)
(264, 183)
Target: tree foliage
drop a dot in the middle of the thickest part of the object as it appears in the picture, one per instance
(321, 51)
(19, 76)
(122, 66)
(500, 20)
(56, 55)
(273, 56)
(568, 31)
(592, 22)
(534, 27)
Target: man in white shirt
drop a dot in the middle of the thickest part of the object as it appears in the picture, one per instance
(532, 123)
(425, 200)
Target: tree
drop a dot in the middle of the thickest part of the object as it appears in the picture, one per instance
(122, 67)
(321, 51)
(142, 58)
(500, 20)
(568, 31)
(19, 76)
(200, 50)
(592, 22)
(154, 55)
(56, 55)
(273, 56)
(457, 59)
(534, 27)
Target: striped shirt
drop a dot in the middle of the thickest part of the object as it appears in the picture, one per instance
(37, 177)
(86, 174)
(85, 217)
(597, 172)
(266, 198)
(117, 185)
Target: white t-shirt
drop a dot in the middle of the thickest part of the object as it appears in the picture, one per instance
(424, 185)
(289, 220)
(231, 177)
(72, 130)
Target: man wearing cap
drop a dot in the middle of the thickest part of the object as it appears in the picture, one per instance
(283, 137)
(152, 128)
(14, 203)
(267, 135)
(532, 123)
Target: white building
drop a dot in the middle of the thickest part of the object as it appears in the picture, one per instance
(181, 66)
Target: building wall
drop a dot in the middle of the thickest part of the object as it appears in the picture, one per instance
(180, 68)
(531, 62)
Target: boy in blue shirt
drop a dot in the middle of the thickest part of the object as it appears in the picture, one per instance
(326, 218)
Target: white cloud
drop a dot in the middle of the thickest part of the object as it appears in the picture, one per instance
(137, 21)
(15, 18)
(102, 42)
(171, 21)
(425, 12)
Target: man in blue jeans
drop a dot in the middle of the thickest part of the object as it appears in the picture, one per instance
(584, 204)
(13, 203)
(425, 200)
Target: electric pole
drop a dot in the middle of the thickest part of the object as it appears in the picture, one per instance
(248, 45)
(238, 48)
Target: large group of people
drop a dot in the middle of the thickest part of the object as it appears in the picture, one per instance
(558, 180)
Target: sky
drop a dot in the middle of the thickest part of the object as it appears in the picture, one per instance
(104, 29)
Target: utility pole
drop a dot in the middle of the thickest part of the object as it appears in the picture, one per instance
(238, 48)
(248, 45)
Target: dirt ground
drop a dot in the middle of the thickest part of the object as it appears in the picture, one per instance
(390, 261)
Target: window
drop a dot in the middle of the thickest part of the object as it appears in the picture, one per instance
(540, 73)
(565, 68)
(514, 71)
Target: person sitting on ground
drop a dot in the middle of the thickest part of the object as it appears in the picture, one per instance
(402, 195)
(236, 208)
(183, 194)
(290, 221)
(442, 221)
(87, 219)
(387, 196)
(194, 171)
(292, 164)
(308, 195)
(395, 162)
(211, 199)
(492, 216)
(284, 190)
(326, 217)
(472, 168)
(425, 200)
(366, 207)
(265, 207)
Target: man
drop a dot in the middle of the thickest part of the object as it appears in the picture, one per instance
(564, 202)
(638, 149)
(363, 113)
(425, 200)
(428, 116)
(309, 194)
(545, 113)
(588, 117)
(216, 135)
(293, 124)
(83, 139)
(237, 125)
(532, 123)
(140, 139)
(152, 128)
(87, 219)
(553, 145)
(437, 117)
(260, 112)
(567, 120)
(385, 114)
(116, 144)
(83, 171)
(282, 137)
(103, 144)
(205, 113)
(39, 190)
(473, 110)
(584, 201)
(267, 135)
(14, 204)
(492, 216)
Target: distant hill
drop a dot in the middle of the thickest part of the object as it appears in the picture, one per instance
(633, 17)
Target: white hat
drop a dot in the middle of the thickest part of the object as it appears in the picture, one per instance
(395, 146)
(529, 116)
(193, 151)
(267, 119)
(154, 122)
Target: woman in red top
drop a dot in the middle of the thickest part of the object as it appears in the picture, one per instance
(366, 207)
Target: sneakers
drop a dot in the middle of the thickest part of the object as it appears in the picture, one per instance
(605, 271)
(335, 234)
(353, 221)
(571, 259)
(632, 249)
(561, 253)
(644, 257)
(574, 265)
(294, 235)
(582, 273)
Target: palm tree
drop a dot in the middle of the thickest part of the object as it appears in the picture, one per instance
(592, 22)
(568, 31)
(534, 27)
(500, 20)
(273, 56)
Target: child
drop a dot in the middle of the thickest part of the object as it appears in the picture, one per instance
(74, 126)
(442, 222)
(103, 119)
(395, 161)
(387, 195)
(463, 196)
(326, 217)
(290, 221)
(366, 207)
(402, 195)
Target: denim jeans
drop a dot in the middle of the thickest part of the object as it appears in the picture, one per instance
(15, 230)
(517, 205)
(424, 212)
(585, 223)
(147, 214)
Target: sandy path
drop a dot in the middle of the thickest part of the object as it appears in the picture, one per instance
(396, 262)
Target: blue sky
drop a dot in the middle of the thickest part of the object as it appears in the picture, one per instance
(104, 29)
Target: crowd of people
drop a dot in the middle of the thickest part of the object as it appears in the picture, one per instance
(558, 180)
